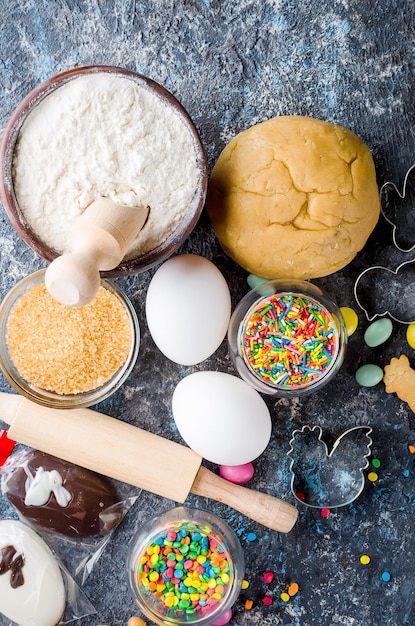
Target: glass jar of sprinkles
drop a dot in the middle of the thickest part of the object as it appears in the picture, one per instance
(287, 338)
(185, 566)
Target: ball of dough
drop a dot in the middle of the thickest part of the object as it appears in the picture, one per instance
(293, 197)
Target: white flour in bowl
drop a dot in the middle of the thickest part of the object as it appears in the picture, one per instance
(103, 135)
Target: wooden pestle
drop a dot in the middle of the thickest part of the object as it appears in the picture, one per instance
(98, 242)
(124, 452)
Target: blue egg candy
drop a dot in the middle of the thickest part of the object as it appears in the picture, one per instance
(369, 375)
(378, 332)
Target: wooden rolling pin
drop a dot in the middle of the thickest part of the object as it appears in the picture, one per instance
(134, 456)
(98, 242)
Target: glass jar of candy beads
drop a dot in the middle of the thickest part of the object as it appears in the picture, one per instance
(185, 566)
(287, 338)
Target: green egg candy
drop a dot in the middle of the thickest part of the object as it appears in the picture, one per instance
(369, 375)
(350, 319)
(378, 332)
(410, 335)
(254, 281)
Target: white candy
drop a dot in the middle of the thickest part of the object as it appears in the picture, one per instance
(40, 599)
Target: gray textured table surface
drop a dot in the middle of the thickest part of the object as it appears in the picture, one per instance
(233, 64)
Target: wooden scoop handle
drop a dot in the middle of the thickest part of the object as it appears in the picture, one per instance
(98, 242)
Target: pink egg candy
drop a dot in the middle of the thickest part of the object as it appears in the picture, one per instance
(238, 474)
(225, 619)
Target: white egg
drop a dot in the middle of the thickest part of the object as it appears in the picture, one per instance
(221, 417)
(188, 308)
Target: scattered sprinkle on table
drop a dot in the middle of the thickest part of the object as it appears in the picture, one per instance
(372, 476)
(406, 473)
(288, 340)
(365, 559)
(268, 577)
(251, 536)
(386, 577)
(325, 512)
(249, 604)
(68, 350)
(267, 600)
(411, 449)
(285, 596)
(376, 463)
(245, 584)
(293, 589)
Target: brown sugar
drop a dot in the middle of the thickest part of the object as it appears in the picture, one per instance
(68, 350)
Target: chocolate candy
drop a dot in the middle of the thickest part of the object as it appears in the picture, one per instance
(61, 497)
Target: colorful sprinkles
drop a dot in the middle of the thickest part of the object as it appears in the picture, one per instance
(288, 340)
(187, 569)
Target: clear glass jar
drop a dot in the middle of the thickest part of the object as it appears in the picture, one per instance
(69, 400)
(287, 338)
(179, 585)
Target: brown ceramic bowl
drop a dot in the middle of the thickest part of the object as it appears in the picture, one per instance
(162, 250)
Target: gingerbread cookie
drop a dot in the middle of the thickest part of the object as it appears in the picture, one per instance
(399, 378)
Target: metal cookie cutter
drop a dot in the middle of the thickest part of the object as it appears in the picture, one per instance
(404, 223)
(328, 480)
(380, 290)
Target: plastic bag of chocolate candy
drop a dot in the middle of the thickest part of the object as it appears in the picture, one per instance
(76, 509)
(35, 587)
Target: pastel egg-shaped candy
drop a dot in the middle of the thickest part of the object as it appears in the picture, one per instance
(221, 417)
(238, 474)
(378, 332)
(369, 375)
(32, 591)
(350, 318)
(188, 308)
(410, 335)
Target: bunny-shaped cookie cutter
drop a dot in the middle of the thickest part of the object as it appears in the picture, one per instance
(373, 295)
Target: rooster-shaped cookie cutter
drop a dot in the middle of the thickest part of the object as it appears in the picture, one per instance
(323, 479)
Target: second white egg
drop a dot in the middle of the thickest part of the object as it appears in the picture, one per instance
(221, 417)
(188, 308)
